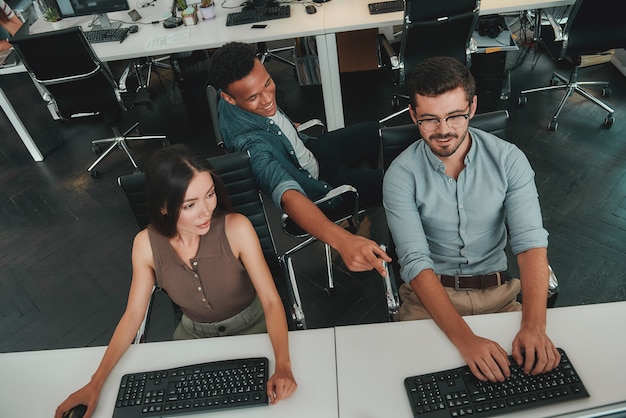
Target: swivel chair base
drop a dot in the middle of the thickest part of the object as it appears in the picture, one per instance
(571, 86)
(265, 53)
(119, 140)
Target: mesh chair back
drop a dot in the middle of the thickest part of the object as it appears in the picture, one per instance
(396, 139)
(213, 98)
(236, 172)
(63, 62)
(436, 28)
(593, 26)
(419, 11)
(134, 187)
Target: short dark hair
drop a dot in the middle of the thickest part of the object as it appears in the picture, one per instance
(168, 174)
(230, 63)
(437, 75)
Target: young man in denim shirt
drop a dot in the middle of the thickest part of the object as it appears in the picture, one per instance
(449, 199)
(292, 168)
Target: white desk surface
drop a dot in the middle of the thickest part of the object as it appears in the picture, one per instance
(34, 383)
(373, 360)
(332, 17)
(349, 15)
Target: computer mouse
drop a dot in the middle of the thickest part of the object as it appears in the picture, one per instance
(77, 412)
(133, 28)
(310, 9)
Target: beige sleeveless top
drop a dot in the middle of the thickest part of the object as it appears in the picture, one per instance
(217, 286)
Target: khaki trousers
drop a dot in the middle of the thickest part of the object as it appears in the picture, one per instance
(501, 298)
(249, 321)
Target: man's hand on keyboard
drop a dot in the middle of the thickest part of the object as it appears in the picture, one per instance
(486, 359)
(281, 385)
(533, 350)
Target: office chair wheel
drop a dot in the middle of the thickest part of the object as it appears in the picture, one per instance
(608, 121)
(606, 92)
(554, 81)
(94, 174)
(96, 148)
(522, 100)
(553, 125)
(166, 143)
(395, 102)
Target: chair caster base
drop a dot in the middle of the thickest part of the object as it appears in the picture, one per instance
(553, 125)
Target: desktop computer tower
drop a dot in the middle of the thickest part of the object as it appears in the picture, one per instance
(489, 72)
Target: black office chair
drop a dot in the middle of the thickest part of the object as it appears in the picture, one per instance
(592, 27)
(76, 83)
(236, 173)
(395, 139)
(432, 28)
(339, 205)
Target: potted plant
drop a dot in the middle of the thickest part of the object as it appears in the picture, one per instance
(49, 12)
(207, 9)
(51, 15)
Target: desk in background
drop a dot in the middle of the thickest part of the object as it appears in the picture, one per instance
(348, 15)
(373, 360)
(34, 383)
(331, 18)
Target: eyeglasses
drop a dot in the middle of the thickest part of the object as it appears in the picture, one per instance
(453, 122)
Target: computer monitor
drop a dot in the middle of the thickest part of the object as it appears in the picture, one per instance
(71, 8)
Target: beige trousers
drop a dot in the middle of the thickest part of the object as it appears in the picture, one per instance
(501, 298)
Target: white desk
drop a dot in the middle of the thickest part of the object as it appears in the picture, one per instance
(331, 18)
(349, 15)
(373, 360)
(34, 383)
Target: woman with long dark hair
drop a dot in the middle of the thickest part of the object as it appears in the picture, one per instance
(210, 262)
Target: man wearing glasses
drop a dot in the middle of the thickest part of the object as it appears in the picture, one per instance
(450, 199)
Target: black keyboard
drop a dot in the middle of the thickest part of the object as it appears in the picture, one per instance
(457, 393)
(197, 388)
(106, 35)
(258, 15)
(386, 7)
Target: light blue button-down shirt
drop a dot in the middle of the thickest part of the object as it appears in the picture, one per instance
(460, 226)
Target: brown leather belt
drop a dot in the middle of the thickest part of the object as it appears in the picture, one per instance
(473, 282)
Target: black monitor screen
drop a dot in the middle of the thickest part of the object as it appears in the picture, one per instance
(69, 8)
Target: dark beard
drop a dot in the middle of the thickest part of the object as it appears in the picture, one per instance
(447, 135)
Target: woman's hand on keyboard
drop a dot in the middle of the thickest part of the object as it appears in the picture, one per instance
(281, 385)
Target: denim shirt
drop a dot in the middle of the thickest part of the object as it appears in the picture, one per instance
(273, 159)
(459, 226)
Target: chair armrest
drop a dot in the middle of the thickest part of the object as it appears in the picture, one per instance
(558, 29)
(338, 205)
(121, 83)
(387, 56)
(310, 124)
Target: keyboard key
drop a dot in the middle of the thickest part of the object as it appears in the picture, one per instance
(457, 393)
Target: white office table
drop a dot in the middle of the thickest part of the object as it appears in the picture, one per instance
(331, 18)
(349, 15)
(373, 360)
(34, 383)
